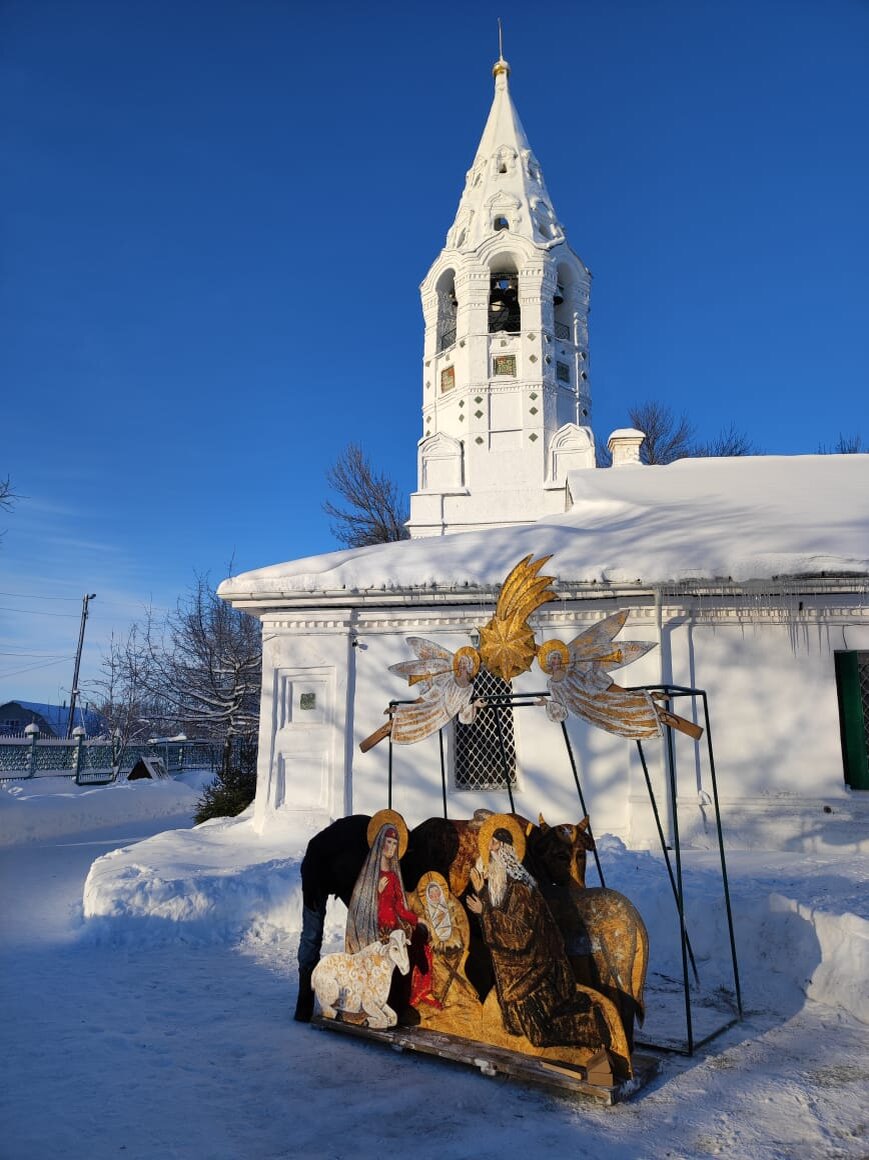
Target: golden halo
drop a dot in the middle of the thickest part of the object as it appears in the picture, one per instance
(546, 650)
(501, 822)
(426, 880)
(388, 818)
(466, 651)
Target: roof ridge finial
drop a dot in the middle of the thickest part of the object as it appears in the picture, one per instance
(501, 66)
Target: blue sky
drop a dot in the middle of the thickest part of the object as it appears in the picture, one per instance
(216, 217)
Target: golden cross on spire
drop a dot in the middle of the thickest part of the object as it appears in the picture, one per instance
(501, 65)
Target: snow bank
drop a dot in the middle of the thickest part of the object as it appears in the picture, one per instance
(49, 807)
(214, 883)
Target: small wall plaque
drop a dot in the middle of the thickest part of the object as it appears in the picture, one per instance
(448, 378)
(308, 701)
(505, 364)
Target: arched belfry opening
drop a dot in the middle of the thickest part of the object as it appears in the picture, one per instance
(447, 309)
(505, 313)
(563, 306)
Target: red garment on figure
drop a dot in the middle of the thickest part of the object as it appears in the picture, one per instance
(391, 908)
(392, 911)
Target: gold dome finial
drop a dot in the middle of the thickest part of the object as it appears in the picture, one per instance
(501, 65)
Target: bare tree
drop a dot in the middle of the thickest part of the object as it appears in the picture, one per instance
(372, 511)
(667, 438)
(123, 691)
(729, 441)
(196, 670)
(209, 664)
(7, 496)
(846, 445)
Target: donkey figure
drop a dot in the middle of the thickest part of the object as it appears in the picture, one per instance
(605, 937)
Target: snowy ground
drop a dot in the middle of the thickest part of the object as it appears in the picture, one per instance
(161, 1028)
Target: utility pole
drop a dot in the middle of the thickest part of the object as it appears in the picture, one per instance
(74, 692)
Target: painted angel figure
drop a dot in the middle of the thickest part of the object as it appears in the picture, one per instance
(579, 683)
(446, 681)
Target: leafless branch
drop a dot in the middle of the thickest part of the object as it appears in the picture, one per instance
(846, 445)
(372, 512)
(667, 438)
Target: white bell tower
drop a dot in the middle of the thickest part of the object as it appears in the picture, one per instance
(506, 396)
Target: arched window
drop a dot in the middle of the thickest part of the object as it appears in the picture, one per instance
(500, 223)
(480, 761)
(562, 305)
(447, 308)
(505, 313)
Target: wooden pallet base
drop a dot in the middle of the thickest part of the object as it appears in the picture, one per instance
(499, 1061)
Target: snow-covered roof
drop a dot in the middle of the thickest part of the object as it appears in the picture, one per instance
(747, 518)
(57, 716)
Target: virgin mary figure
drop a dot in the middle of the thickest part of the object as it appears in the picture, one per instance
(378, 904)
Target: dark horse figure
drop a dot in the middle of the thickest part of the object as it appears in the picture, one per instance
(335, 856)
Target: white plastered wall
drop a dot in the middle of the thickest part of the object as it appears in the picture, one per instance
(772, 700)
(305, 720)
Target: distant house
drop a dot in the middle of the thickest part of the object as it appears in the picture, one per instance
(51, 720)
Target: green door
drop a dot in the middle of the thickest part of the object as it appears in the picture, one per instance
(852, 682)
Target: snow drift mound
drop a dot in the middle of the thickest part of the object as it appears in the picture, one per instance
(801, 924)
(214, 883)
(50, 807)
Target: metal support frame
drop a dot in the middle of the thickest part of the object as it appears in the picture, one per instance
(677, 884)
(521, 700)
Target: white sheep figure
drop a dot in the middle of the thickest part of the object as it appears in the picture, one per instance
(360, 982)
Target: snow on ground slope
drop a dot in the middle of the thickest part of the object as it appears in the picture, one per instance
(165, 1038)
(44, 807)
(802, 923)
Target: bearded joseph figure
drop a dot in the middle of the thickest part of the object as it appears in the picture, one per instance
(535, 984)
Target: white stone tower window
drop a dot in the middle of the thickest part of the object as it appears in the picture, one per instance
(447, 308)
(505, 313)
(562, 305)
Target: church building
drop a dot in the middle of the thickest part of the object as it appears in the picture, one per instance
(749, 576)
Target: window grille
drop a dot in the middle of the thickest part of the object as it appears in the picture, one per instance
(447, 337)
(479, 763)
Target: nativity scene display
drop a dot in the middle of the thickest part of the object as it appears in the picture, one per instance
(481, 934)
(480, 929)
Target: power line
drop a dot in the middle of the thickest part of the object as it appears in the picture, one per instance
(38, 612)
(39, 655)
(30, 668)
(140, 604)
(30, 596)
